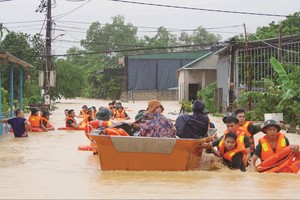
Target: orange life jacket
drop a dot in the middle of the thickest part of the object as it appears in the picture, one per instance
(35, 121)
(240, 135)
(229, 154)
(86, 118)
(70, 118)
(48, 125)
(115, 131)
(266, 150)
(83, 112)
(251, 138)
(120, 114)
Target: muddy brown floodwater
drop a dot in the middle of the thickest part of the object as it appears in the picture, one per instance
(49, 166)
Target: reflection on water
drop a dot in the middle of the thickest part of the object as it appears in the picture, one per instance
(48, 165)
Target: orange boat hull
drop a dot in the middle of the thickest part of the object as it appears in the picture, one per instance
(151, 154)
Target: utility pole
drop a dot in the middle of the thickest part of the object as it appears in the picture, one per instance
(248, 69)
(48, 67)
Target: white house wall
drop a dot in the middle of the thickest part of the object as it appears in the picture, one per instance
(223, 78)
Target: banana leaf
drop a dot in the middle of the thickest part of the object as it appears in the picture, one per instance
(281, 73)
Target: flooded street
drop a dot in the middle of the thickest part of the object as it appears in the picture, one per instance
(49, 166)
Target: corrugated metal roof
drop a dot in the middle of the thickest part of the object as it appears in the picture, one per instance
(195, 61)
(172, 55)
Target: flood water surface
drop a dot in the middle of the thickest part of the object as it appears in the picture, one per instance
(49, 166)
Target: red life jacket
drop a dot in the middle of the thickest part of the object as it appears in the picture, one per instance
(266, 150)
(70, 118)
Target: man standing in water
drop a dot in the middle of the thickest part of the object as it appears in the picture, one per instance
(19, 124)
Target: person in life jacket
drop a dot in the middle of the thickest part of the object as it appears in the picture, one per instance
(70, 121)
(232, 152)
(45, 124)
(84, 110)
(34, 119)
(89, 116)
(272, 143)
(120, 113)
(249, 128)
(232, 124)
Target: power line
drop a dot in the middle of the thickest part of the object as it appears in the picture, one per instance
(135, 49)
(69, 12)
(275, 47)
(23, 22)
(202, 9)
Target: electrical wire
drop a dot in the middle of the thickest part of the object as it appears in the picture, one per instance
(275, 47)
(69, 12)
(202, 9)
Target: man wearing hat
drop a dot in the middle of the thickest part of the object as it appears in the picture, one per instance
(273, 142)
(120, 112)
(232, 124)
(195, 125)
(34, 119)
(45, 124)
(103, 114)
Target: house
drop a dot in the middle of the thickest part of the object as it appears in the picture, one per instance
(196, 75)
(153, 76)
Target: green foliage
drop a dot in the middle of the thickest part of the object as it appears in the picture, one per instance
(69, 80)
(281, 95)
(186, 106)
(289, 26)
(5, 102)
(207, 95)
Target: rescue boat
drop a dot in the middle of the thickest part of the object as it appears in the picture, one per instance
(148, 153)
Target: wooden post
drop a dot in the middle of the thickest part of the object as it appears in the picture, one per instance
(248, 69)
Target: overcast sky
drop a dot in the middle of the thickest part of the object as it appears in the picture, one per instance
(14, 12)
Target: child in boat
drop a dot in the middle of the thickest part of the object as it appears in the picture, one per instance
(18, 123)
(70, 121)
(232, 152)
(272, 143)
(154, 124)
(45, 124)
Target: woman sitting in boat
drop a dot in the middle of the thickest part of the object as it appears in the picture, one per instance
(274, 151)
(71, 122)
(232, 152)
(120, 113)
(154, 124)
(45, 124)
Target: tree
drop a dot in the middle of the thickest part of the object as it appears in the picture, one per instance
(281, 95)
(69, 80)
(2, 29)
(289, 26)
